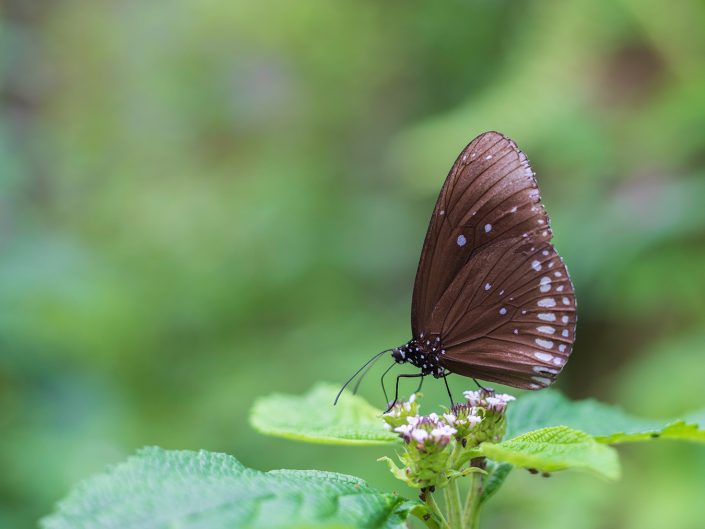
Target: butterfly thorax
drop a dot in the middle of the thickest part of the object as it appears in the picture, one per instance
(424, 353)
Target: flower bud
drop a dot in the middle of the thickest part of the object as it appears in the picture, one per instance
(491, 407)
(397, 415)
(464, 419)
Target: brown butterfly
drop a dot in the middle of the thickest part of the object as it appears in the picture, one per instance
(492, 299)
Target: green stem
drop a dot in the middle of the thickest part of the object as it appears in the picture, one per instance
(471, 514)
(433, 507)
(455, 509)
(426, 515)
(449, 514)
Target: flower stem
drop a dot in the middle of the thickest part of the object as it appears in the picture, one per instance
(433, 507)
(471, 514)
(455, 508)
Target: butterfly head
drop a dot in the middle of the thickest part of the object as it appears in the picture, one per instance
(424, 353)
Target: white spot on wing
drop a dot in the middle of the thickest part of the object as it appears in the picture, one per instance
(561, 348)
(461, 240)
(546, 329)
(543, 370)
(564, 319)
(547, 316)
(565, 333)
(542, 380)
(566, 301)
(545, 284)
(514, 209)
(488, 157)
(546, 344)
(547, 302)
(502, 311)
(544, 357)
(488, 228)
(488, 286)
(536, 265)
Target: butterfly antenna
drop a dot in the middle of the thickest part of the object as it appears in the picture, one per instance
(364, 374)
(381, 381)
(375, 357)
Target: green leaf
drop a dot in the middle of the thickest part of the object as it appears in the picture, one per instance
(496, 474)
(313, 418)
(556, 448)
(164, 489)
(608, 424)
(396, 471)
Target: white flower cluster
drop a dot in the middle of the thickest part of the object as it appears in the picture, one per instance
(425, 430)
(479, 419)
(496, 402)
(469, 420)
(437, 446)
(402, 408)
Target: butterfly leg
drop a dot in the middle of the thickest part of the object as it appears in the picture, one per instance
(396, 392)
(420, 384)
(445, 379)
(483, 388)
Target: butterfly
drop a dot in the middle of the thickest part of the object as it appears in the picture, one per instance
(492, 298)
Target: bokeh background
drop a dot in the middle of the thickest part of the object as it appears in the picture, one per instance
(206, 201)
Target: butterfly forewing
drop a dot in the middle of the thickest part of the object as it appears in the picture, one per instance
(476, 205)
(489, 283)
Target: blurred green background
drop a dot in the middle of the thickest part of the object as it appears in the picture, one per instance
(206, 201)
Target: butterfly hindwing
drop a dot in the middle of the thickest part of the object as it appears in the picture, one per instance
(522, 331)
